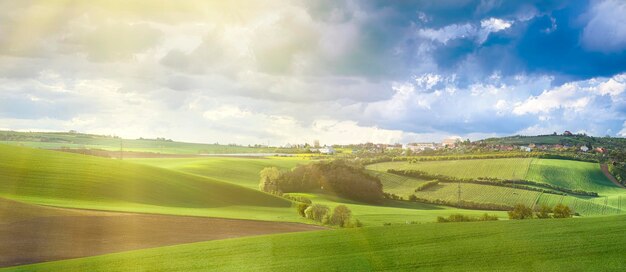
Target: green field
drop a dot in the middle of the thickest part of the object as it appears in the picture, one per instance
(79, 181)
(395, 212)
(241, 171)
(572, 174)
(397, 184)
(510, 168)
(56, 140)
(201, 187)
(563, 173)
(585, 244)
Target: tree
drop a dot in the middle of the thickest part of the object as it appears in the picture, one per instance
(544, 212)
(562, 211)
(413, 198)
(301, 207)
(521, 211)
(269, 179)
(316, 212)
(341, 216)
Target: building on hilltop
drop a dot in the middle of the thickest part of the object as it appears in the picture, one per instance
(450, 142)
(567, 133)
(418, 147)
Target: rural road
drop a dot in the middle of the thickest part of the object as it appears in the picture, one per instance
(605, 170)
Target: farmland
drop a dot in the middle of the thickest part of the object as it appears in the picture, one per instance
(562, 173)
(78, 181)
(540, 245)
(241, 171)
(57, 140)
(513, 168)
(71, 233)
(227, 187)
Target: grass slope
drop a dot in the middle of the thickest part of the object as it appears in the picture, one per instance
(55, 140)
(78, 181)
(590, 244)
(241, 171)
(564, 173)
(511, 168)
(394, 212)
(572, 174)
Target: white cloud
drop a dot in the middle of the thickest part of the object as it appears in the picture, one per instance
(562, 97)
(614, 86)
(447, 33)
(606, 29)
(571, 96)
(460, 31)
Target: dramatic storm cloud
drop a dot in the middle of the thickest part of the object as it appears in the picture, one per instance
(294, 71)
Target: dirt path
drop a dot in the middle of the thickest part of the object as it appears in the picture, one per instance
(48, 234)
(605, 170)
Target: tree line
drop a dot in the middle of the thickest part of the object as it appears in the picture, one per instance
(518, 184)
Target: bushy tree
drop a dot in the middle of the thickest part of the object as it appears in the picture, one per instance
(341, 216)
(269, 179)
(301, 207)
(413, 198)
(544, 212)
(521, 211)
(562, 211)
(316, 212)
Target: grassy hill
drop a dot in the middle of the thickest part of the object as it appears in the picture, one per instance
(78, 181)
(57, 140)
(241, 171)
(393, 211)
(586, 244)
(572, 140)
(563, 173)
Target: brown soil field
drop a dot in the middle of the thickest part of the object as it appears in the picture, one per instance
(32, 234)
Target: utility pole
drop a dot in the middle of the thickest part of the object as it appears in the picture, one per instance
(459, 194)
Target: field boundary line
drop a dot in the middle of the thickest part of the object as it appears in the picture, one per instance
(605, 170)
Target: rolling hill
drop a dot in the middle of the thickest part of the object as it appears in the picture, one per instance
(586, 244)
(78, 181)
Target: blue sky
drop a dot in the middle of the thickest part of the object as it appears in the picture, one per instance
(294, 71)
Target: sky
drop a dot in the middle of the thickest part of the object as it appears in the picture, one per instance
(341, 72)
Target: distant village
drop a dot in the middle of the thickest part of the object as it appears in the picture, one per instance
(450, 143)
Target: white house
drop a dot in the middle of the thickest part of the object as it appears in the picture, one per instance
(328, 150)
(525, 148)
(417, 147)
(584, 148)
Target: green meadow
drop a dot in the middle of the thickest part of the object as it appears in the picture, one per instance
(563, 173)
(79, 181)
(578, 244)
(240, 170)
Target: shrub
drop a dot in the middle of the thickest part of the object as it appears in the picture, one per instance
(562, 211)
(341, 216)
(301, 208)
(357, 223)
(464, 218)
(413, 198)
(487, 217)
(521, 211)
(316, 212)
(427, 185)
(544, 212)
